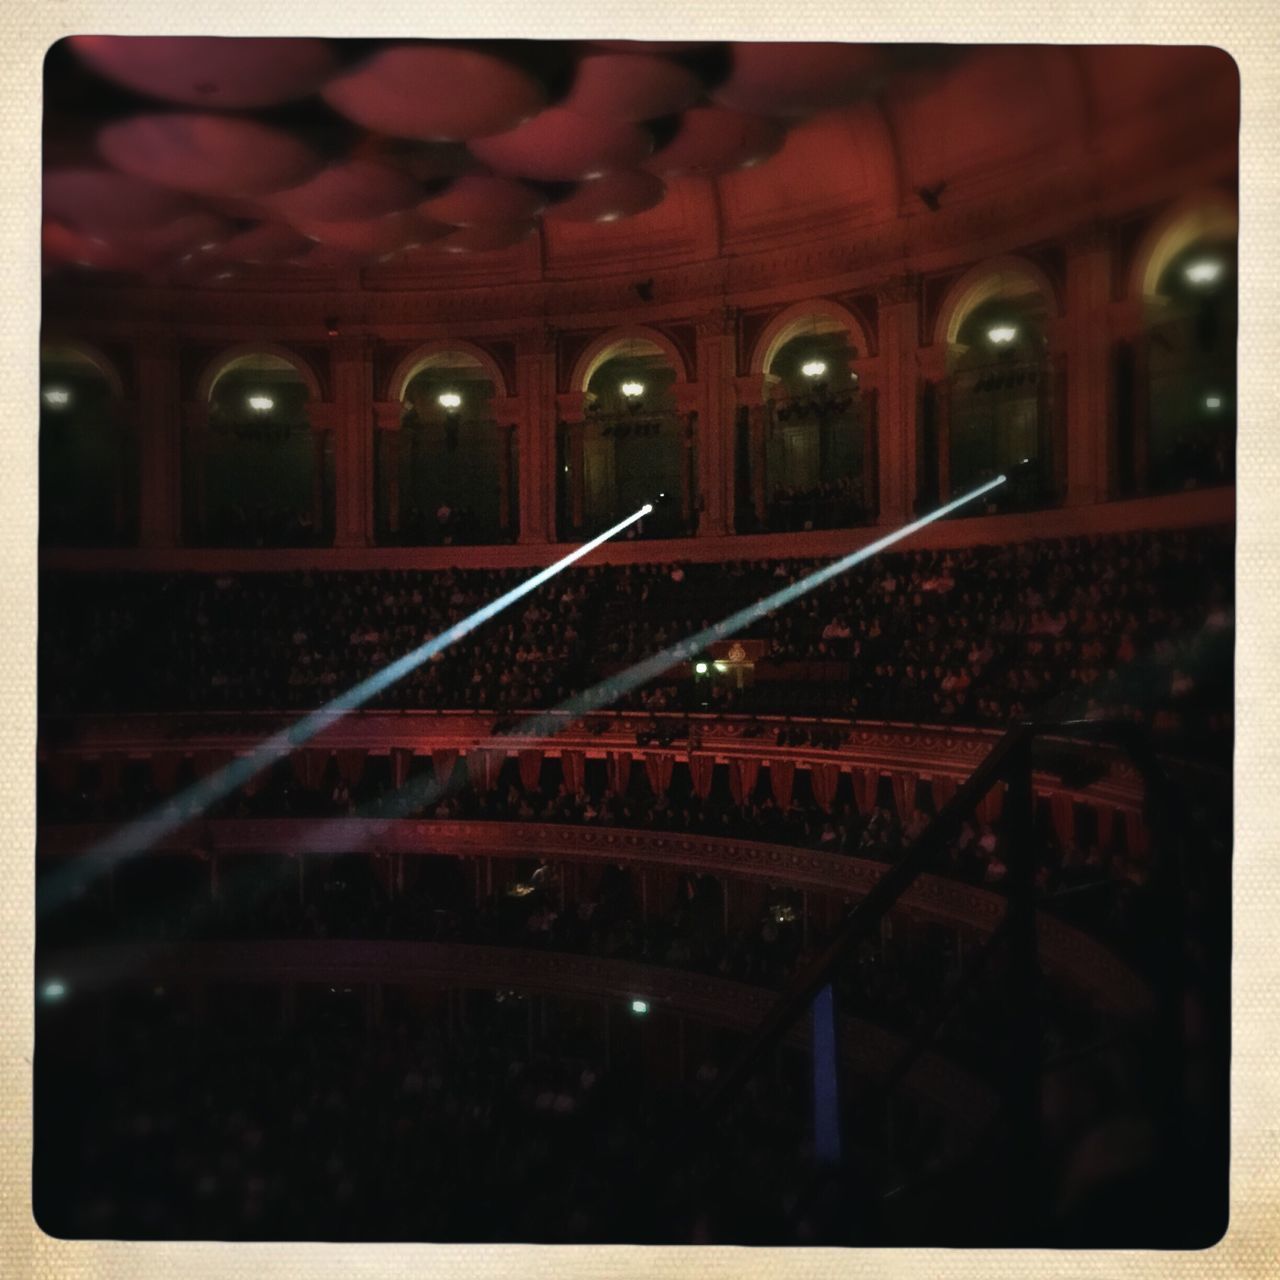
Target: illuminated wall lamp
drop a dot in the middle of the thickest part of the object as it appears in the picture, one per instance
(449, 400)
(1002, 333)
(1213, 402)
(57, 397)
(261, 403)
(632, 390)
(813, 368)
(1203, 271)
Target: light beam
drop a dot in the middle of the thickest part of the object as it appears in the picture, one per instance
(610, 690)
(137, 836)
(546, 724)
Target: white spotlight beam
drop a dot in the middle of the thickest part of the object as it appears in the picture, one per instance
(546, 724)
(140, 835)
(615, 687)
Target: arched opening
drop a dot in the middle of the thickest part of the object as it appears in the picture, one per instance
(633, 446)
(1190, 323)
(88, 453)
(447, 475)
(1000, 399)
(817, 458)
(256, 474)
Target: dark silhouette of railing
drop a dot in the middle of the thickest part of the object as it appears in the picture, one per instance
(1191, 945)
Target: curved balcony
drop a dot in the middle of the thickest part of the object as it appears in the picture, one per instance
(1064, 950)
(869, 1050)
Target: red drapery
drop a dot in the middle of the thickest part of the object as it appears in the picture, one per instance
(253, 783)
(1062, 811)
(782, 776)
(618, 766)
(482, 768)
(111, 775)
(990, 805)
(530, 762)
(904, 795)
(572, 765)
(164, 771)
(943, 789)
(701, 769)
(401, 762)
(824, 778)
(206, 763)
(443, 760)
(1137, 835)
(351, 765)
(866, 786)
(743, 776)
(1106, 825)
(658, 766)
(309, 767)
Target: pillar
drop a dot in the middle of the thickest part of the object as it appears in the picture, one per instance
(353, 425)
(751, 393)
(1128, 331)
(535, 436)
(717, 405)
(931, 363)
(866, 372)
(193, 455)
(387, 443)
(895, 385)
(159, 441)
(1084, 429)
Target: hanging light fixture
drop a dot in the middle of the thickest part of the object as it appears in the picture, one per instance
(632, 389)
(813, 368)
(449, 400)
(56, 397)
(260, 403)
(1000, 334)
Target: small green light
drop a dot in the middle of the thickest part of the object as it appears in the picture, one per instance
(640, 1006)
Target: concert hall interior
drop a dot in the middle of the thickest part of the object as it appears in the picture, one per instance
(838, 851)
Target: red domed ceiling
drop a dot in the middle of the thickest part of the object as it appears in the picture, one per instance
(199, 159)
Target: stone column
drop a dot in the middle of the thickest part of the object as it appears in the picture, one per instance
(505, 432)
(1085, 428)
(1128, 332)
(866, 372)
(353, 426)
(752, 393)
(535, 435)
(694, 440)
(194, 451)
(932, 364)
(387, 418)
(159, 441)
(896, 397)
(716, 418)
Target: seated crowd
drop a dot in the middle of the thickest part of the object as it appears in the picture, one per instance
(1134, 624)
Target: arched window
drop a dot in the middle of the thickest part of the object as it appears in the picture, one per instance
(88, 454)
(1191, 368)
(633, 446)
(1000, 401)
(256, 474)
(447, 476)
(816, 464)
